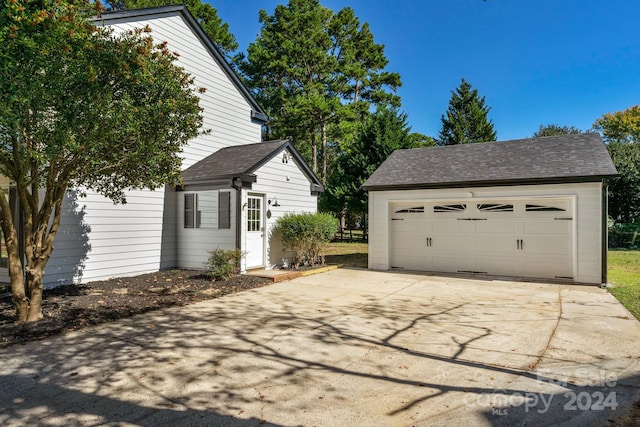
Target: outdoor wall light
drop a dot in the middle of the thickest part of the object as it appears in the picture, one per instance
(275, 202)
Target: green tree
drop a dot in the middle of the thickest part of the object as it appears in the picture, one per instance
(621, 132)
(621, 126)
(80, 108)
(313, 70)
(205, 14)
(466, 119)
(554, 130)
(379, 135)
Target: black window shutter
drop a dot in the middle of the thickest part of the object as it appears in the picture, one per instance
(224, 210)
(189, 205)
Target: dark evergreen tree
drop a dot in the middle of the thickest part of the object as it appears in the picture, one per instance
(379, 135)
(466, 119)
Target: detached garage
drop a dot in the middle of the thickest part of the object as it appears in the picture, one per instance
(533, 208)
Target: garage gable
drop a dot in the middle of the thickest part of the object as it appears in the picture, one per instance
(532, 208)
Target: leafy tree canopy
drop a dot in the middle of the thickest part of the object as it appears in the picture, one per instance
(466, 119)
(313, 70)
(555, 130)
(80, 107)
(205, 14)
(621, 126)
(621, 132)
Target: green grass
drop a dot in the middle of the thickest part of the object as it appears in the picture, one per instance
(624, 272)
(349, 254)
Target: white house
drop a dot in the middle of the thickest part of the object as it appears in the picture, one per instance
(534, 208)
(235, 186)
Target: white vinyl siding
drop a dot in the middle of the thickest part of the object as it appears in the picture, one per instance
(194, 244)
(586, 223)
(226, 112)
(98, 239)
(286, 183)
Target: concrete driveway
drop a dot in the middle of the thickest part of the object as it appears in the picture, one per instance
(347, 347)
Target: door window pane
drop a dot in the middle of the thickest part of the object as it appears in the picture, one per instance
(254, 212)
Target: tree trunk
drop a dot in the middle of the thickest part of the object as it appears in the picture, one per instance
(314, 152)
(35, 287)
(324, 154)
(18, 293)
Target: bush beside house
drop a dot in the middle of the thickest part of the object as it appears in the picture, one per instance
(307, 235)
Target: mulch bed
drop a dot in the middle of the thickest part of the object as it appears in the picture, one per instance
(72, 307)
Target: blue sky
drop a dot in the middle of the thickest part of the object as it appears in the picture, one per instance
(536, 61)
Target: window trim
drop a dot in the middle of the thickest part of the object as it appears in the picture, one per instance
(192, 213)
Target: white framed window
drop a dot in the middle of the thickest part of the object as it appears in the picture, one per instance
(192, 214)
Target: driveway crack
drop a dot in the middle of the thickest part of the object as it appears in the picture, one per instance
(552, 335)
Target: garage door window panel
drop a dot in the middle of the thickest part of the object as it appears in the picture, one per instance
(418, 209)
(456, 208)
(495, 207)
(543, 208)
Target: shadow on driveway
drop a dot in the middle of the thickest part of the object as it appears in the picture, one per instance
(348, 347)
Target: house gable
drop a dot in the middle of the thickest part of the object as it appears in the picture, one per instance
(230, 113)
(242, 162)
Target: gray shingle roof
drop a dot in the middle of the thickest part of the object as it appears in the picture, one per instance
(566, 158)
(241, 160)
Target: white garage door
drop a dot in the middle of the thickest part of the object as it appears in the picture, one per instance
(526, 238)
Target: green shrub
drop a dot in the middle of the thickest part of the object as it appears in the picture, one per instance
(307, 235)
(223, 264)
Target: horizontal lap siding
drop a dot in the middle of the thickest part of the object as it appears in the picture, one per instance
(226, 112)
(194, 244)
(106, 240)
(587, 218)
(98, 240)
(293, 195)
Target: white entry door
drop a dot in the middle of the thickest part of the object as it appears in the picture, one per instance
(255, 237)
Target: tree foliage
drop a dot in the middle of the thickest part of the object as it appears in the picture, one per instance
(80, 107)
(205, 14)
(313, 70)
(621, 132)
(466, 119)
(555, 130)
(621, 126)
(379, 135)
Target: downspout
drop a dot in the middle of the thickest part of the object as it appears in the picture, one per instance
(605, 231)
(236, 183)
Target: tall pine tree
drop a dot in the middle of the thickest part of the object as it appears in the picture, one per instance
(466, 119)
(314, 70)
